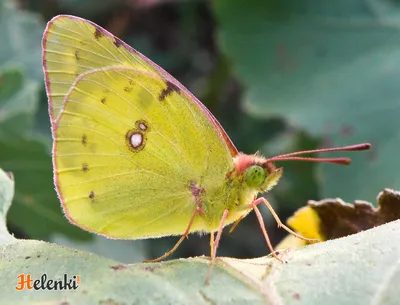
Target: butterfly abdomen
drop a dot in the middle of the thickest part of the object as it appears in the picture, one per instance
(231, 195)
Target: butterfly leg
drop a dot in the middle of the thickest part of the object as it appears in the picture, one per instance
(235, 224)
(277, 219)
(166, 254)
(264, 230)
(215, 244)
(212, 243)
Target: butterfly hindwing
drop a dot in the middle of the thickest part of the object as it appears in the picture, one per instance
(128, 147)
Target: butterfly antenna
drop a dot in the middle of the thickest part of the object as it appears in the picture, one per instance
(342, 161)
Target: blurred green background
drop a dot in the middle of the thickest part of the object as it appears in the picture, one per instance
(280, 76)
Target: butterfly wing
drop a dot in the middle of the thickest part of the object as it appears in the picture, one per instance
(129, 140)
(73, 46)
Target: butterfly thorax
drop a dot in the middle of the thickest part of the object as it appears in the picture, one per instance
(251, 175)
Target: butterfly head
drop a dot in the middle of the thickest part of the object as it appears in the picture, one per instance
(256, 172)
(260, 174)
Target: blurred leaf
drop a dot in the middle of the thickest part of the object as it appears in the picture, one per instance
(6, 196)
(330, 68)
(42, 122)
(10, 82)
(125, 251)
(298, 183)
(20, 37)
(151, 3)
(36, 210)
(18, 103)
(90, 8)
(335, 218)
(167, 60)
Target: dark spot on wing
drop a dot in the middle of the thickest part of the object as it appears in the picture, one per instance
(104, 100)
(91, 196)
(117, 42)
(84, 140)
(198, 194)
(170, 88)
(77, 54)
(98, 33)
(128, 89)
(85, 167)
(142, 125)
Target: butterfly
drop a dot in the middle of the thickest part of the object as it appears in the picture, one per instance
(135, 154)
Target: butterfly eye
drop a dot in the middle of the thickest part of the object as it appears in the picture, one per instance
(255, 175)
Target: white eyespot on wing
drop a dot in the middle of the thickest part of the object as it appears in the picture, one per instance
(136, 140)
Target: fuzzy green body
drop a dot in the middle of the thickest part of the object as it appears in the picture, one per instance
(235, 195)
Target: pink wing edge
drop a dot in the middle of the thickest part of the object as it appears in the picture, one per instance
(221, 132)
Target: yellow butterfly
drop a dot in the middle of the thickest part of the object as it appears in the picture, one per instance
(135, 154)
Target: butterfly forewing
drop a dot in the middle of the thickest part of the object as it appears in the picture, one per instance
(72, 46)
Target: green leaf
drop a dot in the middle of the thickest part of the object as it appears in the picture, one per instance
(90, 8)
(37, 210)
(343, 271)
(10, 81)
(299, 183)
(20, 37)
(329, 68)
(6, 196)
(18, 104)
